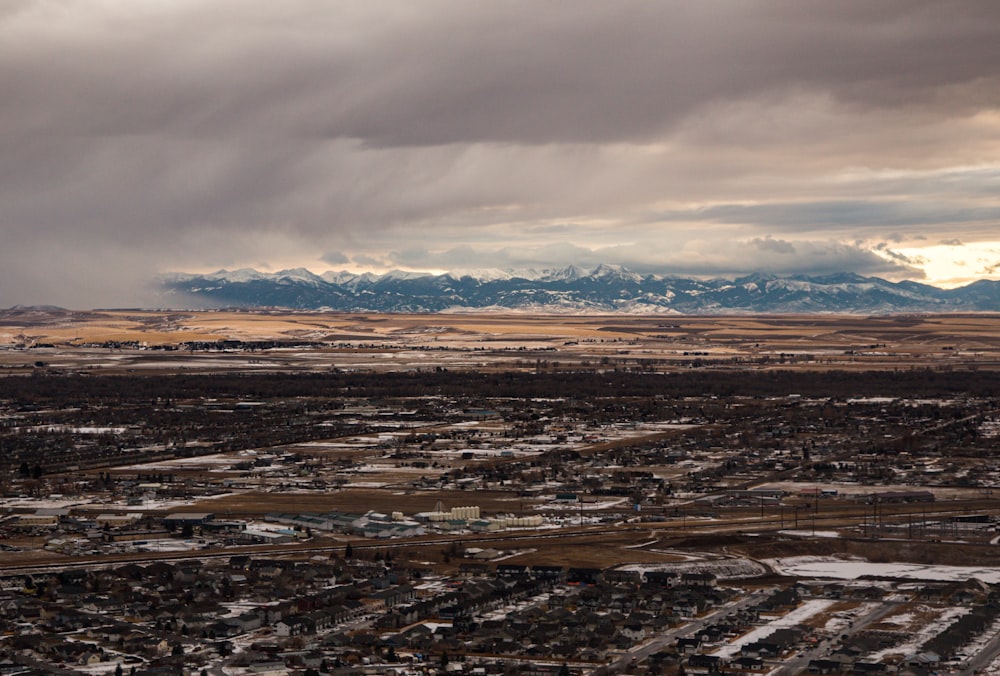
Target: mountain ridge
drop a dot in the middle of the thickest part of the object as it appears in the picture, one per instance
(606, 288)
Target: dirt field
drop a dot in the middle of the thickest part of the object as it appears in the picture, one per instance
(78, 340)
(361, 500)
(931, 553)
(597, 552)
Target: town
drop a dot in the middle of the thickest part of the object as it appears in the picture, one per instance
(589, 516)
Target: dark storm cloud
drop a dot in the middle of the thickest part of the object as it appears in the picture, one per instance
(137, 137)
(452, 72)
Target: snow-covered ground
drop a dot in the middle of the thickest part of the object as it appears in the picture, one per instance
(202, 461)
(974, 646)
(845, 618)
(811, 533)
(154, 503)
(797, 616)
(586, 506)
(853, 489)
(924, 633)
(168, 545)
(824, 566)
(728, 568)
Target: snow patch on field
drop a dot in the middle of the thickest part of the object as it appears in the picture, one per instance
(845, 618)
(796, 617)
(811, 533)
(823, 566)
(925, 633)
(724, 569)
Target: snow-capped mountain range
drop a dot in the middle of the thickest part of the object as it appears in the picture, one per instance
(606, 288)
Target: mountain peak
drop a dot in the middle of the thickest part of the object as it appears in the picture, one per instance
(573, 289)
(570, 273)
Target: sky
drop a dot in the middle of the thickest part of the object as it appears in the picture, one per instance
(709, 139)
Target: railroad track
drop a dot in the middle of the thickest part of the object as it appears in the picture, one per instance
(853, 516)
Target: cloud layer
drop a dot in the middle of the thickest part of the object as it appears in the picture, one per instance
(698, 138)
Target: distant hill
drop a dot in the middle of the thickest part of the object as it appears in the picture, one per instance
(606, 288)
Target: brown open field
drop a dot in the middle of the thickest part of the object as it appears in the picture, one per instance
(77, 340)
(597, 552)
(361, 500)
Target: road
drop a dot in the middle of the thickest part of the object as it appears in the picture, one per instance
(983, 658)
(800, 662)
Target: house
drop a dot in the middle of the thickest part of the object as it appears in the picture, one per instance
(622, 576)
(763, 649)
(823, 667)
(89, 659)
(660, 577)
(779, 602)
(294, 626)
(709, 664)
(688, 646)
(747, 664)
(636, 632)
(548, 572)
(223, 629)
(473, 569)
(924, 660)
(396, 596)
(698, 579)
(512, 570)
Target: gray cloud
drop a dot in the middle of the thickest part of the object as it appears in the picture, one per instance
(722, 259)
(187, 135)
(775, 245)
(853, 214)
(910, 262)
(365, 260)
(334, 258)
